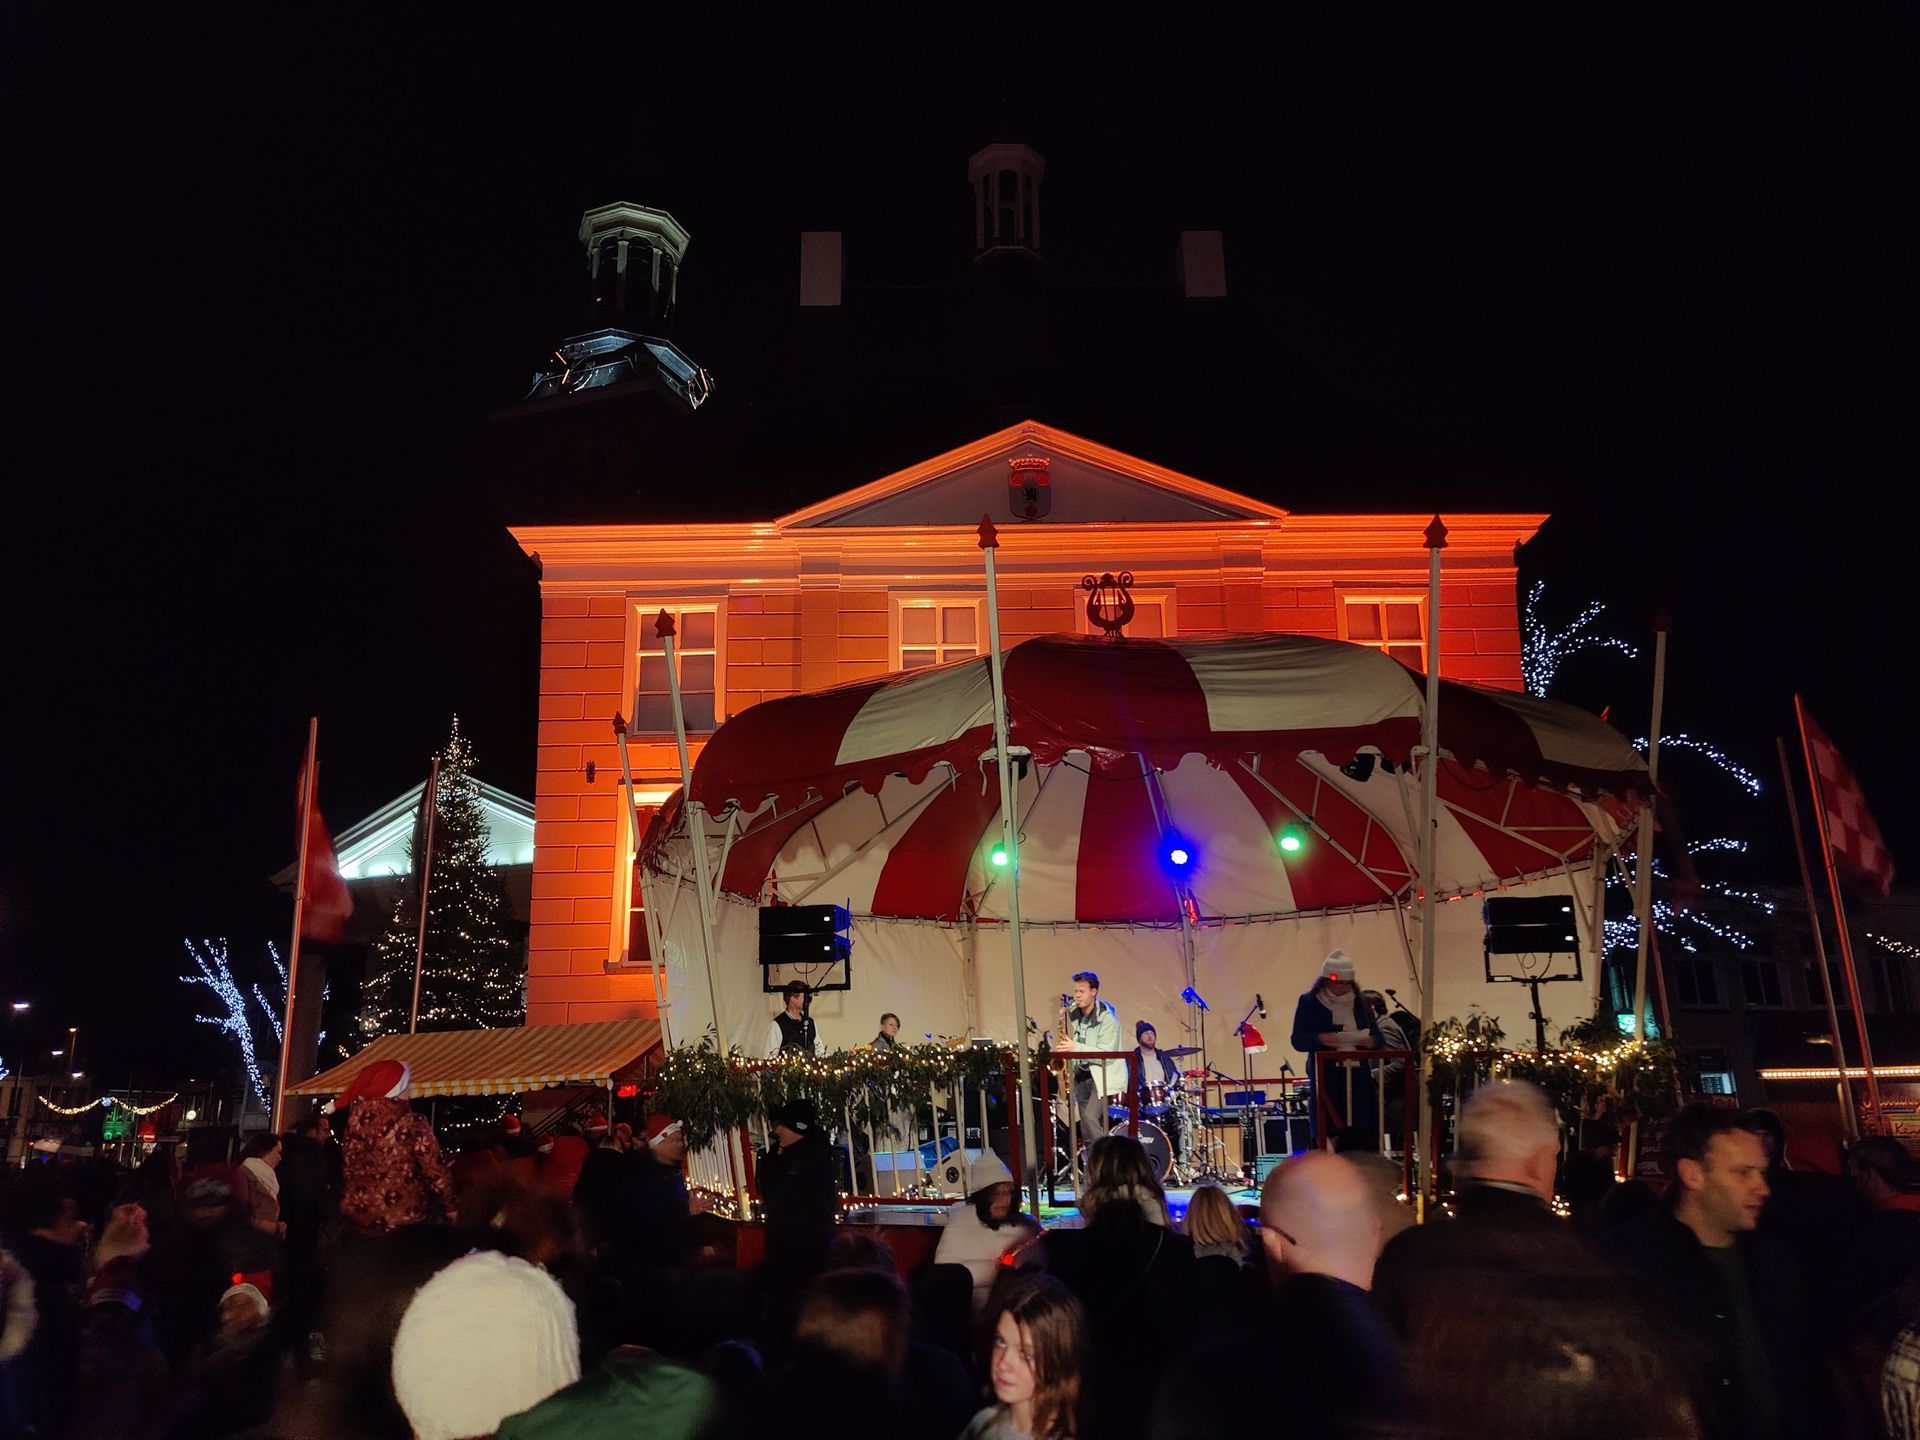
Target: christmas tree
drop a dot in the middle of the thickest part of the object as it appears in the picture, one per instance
(471, 976)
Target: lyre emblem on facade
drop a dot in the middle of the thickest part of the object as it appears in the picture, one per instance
(1109, 605)
(1029, 489)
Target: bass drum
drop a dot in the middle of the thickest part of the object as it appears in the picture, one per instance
(1152, 1139)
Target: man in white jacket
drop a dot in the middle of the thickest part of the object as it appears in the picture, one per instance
(1094, 1025)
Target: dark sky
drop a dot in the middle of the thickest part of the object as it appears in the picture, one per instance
(266, 281)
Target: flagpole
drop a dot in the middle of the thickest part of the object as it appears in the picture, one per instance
(309, 778)
(431, 800)
(1436, 538)
(1010, 840)
(1643, 843)
(1877, 1120)
(1850, 1121)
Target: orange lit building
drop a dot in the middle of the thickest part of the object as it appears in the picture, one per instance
(888, 576)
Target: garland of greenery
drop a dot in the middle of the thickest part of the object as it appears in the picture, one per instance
(711, 1093)
(1594, 1073)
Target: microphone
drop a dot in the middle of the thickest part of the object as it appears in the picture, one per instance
(1261, 1004)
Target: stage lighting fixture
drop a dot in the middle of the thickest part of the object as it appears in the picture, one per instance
(1359, 768)
(1176, 852)
(1291, 841)
(998, 855)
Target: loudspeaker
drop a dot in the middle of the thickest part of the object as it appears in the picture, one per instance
(1530, 925)
(1274, 1133)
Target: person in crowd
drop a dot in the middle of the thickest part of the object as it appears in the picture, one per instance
(259, 1182)
(123, 1386)
(395, 1173)
(188, 1270)
(888, 1037)
(597, 1194)
(1900, 1385)
(801, 1194)
(632, 1392)
(1037, 1357)
(792, 1031)
(1505, 1299)
(52, 1249)
(1729, 1296)
(660, 1206)
(561, 1159)
(1124, 1264)
(152, 1187)
(1318, 1237)
(1882, 1292)
(341, 1384)
(525, 1221)
(310, 1178)
(984, 1227)
(1334, 1015)
(229, 1387)
(1588, 1175)
(1215, 1227)
(1156, 1070)
(487, 1337)
(1093, 1024)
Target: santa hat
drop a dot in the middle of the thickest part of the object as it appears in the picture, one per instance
(488, 1337)
(1337, 966)
(661, 1126)
(388, 1078)
(252, 1294)
(510, 1124)
(595, 1126)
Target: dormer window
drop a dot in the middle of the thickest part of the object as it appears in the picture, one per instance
(1006, 199)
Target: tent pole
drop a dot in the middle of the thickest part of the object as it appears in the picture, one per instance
(1010, 838)
(696, 821)
(1643, 859)
(1436, 539)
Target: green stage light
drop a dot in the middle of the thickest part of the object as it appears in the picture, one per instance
(1290, 840)
(998, 855)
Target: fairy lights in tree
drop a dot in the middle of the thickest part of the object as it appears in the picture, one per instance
(1743, 777)
(1543, 649)
(471, 977)
(216, 973)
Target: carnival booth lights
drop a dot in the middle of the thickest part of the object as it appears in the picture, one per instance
(1199, 815)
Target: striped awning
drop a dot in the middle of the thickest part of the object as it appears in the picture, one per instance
(501, 1062)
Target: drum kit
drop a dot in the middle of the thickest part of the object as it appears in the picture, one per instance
(1170, 1128)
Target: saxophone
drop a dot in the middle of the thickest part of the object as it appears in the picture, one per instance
(1066, 1020)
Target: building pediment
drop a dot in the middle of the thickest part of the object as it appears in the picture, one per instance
(1067, 479)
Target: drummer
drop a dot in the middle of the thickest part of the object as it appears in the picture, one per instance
(1157, 1075)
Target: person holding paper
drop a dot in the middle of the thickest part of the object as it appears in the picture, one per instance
(1335, 1015)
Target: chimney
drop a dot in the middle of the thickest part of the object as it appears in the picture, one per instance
(633, 255)
(1006, 200)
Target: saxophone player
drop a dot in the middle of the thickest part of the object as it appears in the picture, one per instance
(1093, 1024)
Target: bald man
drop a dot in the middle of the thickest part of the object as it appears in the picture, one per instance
(1319, 1233)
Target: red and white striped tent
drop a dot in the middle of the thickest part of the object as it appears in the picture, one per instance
(882, 795)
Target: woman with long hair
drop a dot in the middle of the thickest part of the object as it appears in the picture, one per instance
(1214, 1226)
(1118, 1169)
(1038, 1344)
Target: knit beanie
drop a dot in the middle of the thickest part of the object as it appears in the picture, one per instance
(1337, 966)
(990, 1169)
(487, 1337)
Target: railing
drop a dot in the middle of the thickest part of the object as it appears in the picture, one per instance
(1326, 1119)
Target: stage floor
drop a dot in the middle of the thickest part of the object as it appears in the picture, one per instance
(934, 1212)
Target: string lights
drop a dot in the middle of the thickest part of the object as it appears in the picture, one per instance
(216, 973)
(1543, 649)
(107, 1102)
(1743, 777)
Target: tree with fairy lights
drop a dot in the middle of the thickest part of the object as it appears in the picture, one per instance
(471, 972)
(254, 1029)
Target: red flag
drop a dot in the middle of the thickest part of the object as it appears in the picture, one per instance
(1858, 850)
(327, 905)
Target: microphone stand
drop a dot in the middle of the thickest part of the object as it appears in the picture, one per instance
(1249, 1110)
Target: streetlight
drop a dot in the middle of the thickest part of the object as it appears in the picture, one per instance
(73, 1035)
(20, 1007)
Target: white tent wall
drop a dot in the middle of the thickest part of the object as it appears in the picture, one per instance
(919, 970)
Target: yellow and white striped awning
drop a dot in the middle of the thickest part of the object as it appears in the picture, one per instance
(500, 1062)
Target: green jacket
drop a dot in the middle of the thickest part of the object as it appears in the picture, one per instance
(633, 1392)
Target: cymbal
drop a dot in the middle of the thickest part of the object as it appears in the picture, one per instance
(1176, 1051)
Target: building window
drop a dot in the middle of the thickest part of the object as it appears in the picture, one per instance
(1693, 983)
(931, 630)
(1760, 982)
(1836, 976)
(697, 646)
(1396, 624)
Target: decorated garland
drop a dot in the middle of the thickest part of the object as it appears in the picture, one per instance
(711, 1093)
(1593, 1072)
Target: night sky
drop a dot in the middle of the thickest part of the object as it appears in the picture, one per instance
(266, 285)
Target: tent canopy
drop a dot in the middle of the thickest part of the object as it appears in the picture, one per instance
(500, 1062)
(1282, 765)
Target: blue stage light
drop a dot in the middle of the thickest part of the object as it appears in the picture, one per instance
(1177, 853)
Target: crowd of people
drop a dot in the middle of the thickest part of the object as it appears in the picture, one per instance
(348, 1281)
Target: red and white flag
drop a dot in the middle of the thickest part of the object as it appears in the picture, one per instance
(1859, 852)
(327, 903)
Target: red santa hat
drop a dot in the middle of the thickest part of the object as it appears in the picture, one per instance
(661, 1126)
(388, 1078)
(510, 1124)
(596, 1126)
